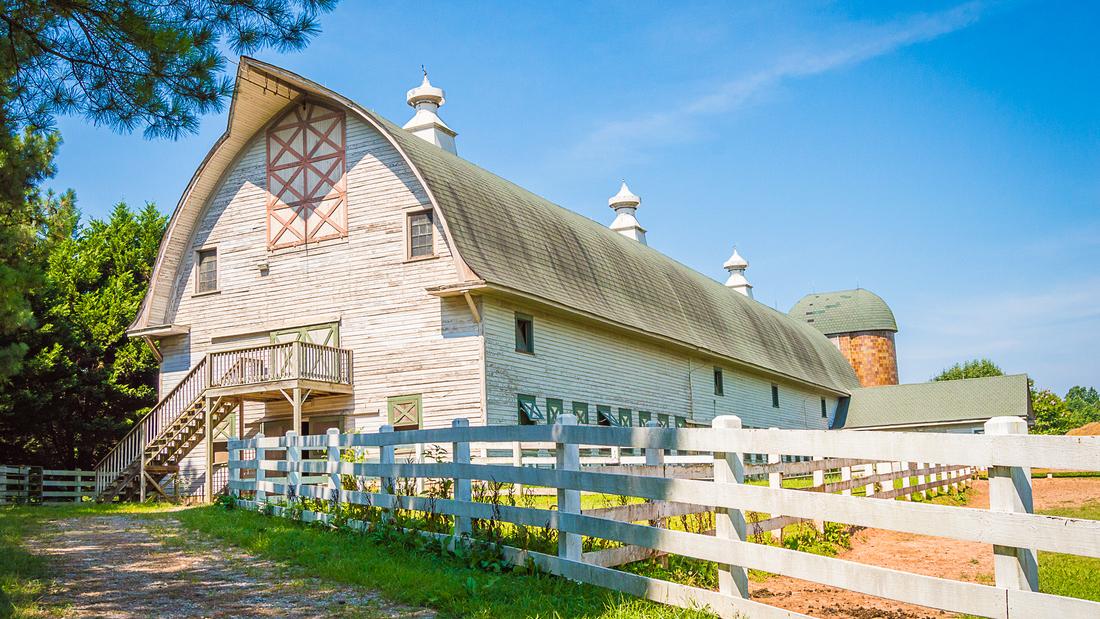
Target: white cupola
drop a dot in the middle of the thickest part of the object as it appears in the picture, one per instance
(426, 123)
(626, 223)
(736, 265)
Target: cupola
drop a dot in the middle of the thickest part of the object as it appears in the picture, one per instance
(626, 223)
(736, 265)
(426, 123)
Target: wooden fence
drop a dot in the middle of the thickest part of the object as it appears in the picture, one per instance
(33, 484)
(1006, 451)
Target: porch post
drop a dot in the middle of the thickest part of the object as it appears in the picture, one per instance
(208, 430)
(296, 403)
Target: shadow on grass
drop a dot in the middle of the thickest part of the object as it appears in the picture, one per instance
(417, 577)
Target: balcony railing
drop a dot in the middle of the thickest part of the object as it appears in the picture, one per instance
(278, 362)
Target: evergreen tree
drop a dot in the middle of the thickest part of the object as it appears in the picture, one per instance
(84, 382)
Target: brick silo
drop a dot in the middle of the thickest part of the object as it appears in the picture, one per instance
(861, 325)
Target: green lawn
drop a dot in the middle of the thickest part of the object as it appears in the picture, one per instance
(417, 577)
(1071, 575)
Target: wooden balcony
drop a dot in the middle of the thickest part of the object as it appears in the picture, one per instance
(273, 371)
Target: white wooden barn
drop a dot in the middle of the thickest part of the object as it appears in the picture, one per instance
(327, 268)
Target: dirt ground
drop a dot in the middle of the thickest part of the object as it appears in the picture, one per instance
(931, 556)
(123, 567)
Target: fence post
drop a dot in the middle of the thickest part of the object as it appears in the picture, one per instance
(293, 464)
(463, 490)
(234, 472)
(568, 458)
(3, 484)
(903, 468)
(869, 470)
(845, 476)
(260, 496)
(1010, 491)
(775, 480)
(332, 465)
(819, 482)
(387, 485)
(517, 461)
(653, 455)
(729, 468)
(921, 479)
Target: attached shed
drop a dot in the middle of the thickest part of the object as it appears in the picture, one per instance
(961, 406)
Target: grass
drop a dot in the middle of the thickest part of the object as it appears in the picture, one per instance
(1071, 575)
(417, 577)
(24, 577)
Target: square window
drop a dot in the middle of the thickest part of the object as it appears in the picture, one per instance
(206, 279)
(626, 418)
(529, 413)
(421, 236)
(405, 412)
(580, 409)
(553, 409)
(775, 396)
(719, 387)
(604, 416)
(525, 333)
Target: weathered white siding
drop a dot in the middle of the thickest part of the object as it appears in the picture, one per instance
(404, 340)
(576, 361)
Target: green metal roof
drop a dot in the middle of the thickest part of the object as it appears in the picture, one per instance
(515, 239)
(936, 402)
(845, 311)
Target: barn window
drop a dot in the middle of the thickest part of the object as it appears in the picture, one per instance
(719, 387)
(529, 413)
(420, 241)
(553, 409)
(206, 278)
(604, 417)
(405, 412)
(824, 409)
(580, 409)
(306, 180)
(525, 333)
(775, 396)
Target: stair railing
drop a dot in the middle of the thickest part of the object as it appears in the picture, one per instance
(132, 446)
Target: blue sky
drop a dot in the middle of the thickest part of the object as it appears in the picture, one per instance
(944, 155)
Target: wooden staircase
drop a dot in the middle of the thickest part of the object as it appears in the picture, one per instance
(162, 456)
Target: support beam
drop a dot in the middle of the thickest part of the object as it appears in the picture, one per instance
(208, 431)
(296, 404)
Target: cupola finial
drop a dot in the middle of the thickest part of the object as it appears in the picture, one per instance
(736, 266)
(626, 205)
(426, 123)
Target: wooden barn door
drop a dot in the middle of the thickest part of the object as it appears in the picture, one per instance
(325, 335)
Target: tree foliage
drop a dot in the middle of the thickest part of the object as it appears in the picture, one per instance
(975, 368)
(131, 63)
(83, 382)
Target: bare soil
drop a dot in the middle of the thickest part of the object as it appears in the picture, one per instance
(123, 567)
(931, 556)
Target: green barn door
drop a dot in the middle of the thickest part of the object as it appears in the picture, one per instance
(325, 335)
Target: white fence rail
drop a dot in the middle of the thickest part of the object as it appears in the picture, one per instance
(1005, 450)
(34, 484)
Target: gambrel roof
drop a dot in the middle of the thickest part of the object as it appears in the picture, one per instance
(508, 238)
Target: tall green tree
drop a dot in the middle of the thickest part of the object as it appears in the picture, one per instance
(1052, 416)
(975, 368)
(84, 382)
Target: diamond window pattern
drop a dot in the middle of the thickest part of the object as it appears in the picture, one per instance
(306, 177)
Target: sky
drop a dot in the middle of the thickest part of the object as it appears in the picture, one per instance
(944, 155)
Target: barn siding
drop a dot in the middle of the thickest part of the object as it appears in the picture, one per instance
(577, 361)
(404, 340)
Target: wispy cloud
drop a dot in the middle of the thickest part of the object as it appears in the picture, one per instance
(860, 42)
(1051, 332)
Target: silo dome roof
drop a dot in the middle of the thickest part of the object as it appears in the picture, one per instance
(845, 311)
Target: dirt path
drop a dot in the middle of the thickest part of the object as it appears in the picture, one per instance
(921, 554)
(123, 567)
